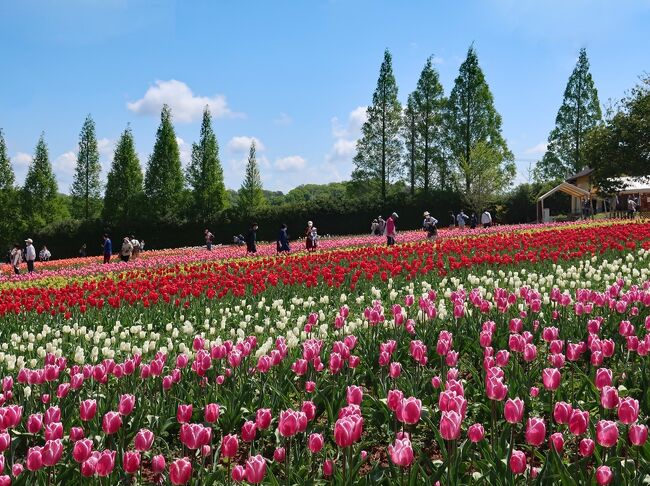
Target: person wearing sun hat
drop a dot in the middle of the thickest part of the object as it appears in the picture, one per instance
(391, 230)
(429, 225)
(30, 254)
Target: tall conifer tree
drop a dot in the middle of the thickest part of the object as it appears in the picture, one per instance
(251, 194)
(379, 150)
(7, 176)
(123, 198)
(164, 181)
(472, 119)
(580, 112)
(86, 186)
(410, 133)
(205, 174)
(40, 191)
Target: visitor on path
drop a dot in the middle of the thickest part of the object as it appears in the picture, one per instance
(486, 219)
(461, 219)
(374, 228)
(45, 254)
(473, 221)
(309, 242)
(382, 225)
(631, 207)
(283, 239)
(452, 219)
(82, 251)
(251, 239)
(209, 237)
(30, 255)
(107, 248)
(391, 229)
(16, 256)
(136, 247)
(127, 249)
(429, 225)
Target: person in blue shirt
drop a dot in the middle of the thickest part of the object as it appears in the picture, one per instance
(283, 239)
(108, 249)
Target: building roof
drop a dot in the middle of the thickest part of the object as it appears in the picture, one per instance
(632, 185)
(584, 172)
(567, 188)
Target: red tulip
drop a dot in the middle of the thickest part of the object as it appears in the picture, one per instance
(606, 433)
(401, 452)
(180, 471)
(517, 462)
(255, 469)
(513, 410)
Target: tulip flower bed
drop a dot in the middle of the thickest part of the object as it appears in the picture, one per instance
(506, 358)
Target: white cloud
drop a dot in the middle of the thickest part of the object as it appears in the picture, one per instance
(291, 163)
(106, 147)
(66, 162)
(186, 106)
(345, 136)
(538, 149)
(243, 144)
(185, 150)
(283, 119)
(21, 158)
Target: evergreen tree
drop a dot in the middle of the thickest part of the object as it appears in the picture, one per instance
(123, 198)
(251, 194)
(473, 119)
(7, 177)
(410, 133)
(86, 186)
(579, 113)
(429, 103)
(205, 175)
(164, 181)
(40, 191)
(379, 149)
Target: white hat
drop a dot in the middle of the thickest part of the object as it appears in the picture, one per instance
(29, 240)
(309, 223)
(395, 215)
(426, 213)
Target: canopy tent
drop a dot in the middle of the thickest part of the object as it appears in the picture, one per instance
(564, 187)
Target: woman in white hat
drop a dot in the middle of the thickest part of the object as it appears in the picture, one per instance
(429, 225)
(309, 237)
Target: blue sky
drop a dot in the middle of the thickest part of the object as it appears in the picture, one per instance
(295, 75)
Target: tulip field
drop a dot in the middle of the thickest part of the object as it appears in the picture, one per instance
(500, 356)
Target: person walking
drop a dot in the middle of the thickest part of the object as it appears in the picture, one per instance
(309, 242)
(141, 245)
(429, 225)
(374, 228)
(209, 237)
(631, 207)
(473, 221)
(486, 219)
(136, 247)
(107, 248)
(127, 249)
(382, 225)
(16, 256)
(461, 219)
(452, 219)
(314, 238)
(283, 240)
(30, 255)
(45, 254)
(82, 251)
(391, 229)
(251, 239)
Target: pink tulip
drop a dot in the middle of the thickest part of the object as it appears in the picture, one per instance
(348, 430)
(279, 455)
(76, 433)
(604, 475)
(586, 447)
(5, 441)
(562, 412)
(211, 414)
(238, 473)
(180, 471)
(255, 469)
(17, 469)
(229, 445)
(450, 425)
(551, 378)
(310, 387)
(496, 389)
(513, 410)
(158, 464)
(184, 413)
(34, 458)
(409, 410)
(315, 443)
(517, 462)
(289, 422)
(535, 431)
(628, 410)
(638, 434)
(476, 433)
(131, 462)
(52, 414)
(603, 378)
(401, 452)
(394, 399)
(51, 452)
(354, 395)
(578, 422)
(606, 433)
(609, 397)
(53, 431)
(263, 418)
(309, 409)
(34, 423)
(143, 440)
(82, 450)
(111, 422)
(395, 370)
(127, 403)
(556, 441)
(248, 431)
(328, 468)
(534, 391)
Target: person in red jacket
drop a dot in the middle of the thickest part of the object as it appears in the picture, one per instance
(391, 230)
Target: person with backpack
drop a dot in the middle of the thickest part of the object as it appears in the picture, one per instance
(16, 257)
(251, 239)
(283, 240)
(429, 225)
(461, 219)
(127, 249)
(486, 219)
(209, 237)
